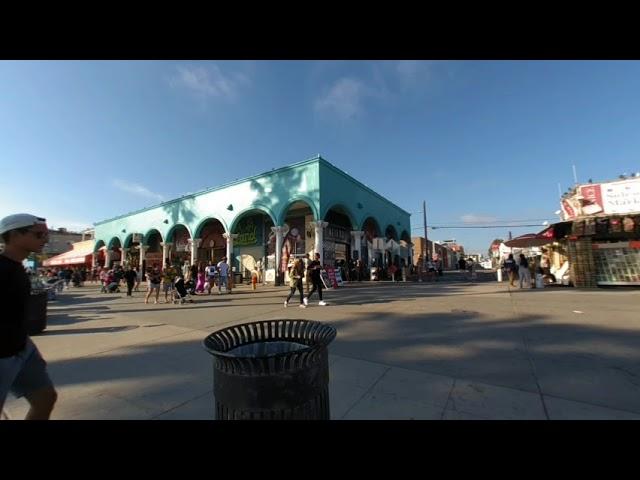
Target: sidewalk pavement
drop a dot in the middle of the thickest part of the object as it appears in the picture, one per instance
(403, 351)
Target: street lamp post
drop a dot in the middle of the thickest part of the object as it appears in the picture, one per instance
(426, 241)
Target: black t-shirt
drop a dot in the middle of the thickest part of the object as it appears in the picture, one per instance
(15, 289)
(130, 276)
(314, 268)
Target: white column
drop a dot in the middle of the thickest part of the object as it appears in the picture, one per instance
(143, 252)
(166, 251)
(230, 237)
(195, 245)
(123, 255)
(319, 227)
(94, 260)
(357, 241)
(107, 258)
(280, 232)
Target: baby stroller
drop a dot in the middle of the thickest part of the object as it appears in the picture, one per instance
(190, 285)
(180, 294)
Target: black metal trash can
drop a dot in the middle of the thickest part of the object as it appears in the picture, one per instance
(37, 312)
(271, 370)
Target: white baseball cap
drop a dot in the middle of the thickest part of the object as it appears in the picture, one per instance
(19, 220)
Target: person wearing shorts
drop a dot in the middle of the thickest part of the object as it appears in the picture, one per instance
(168, 277)
(153, 278)
(23, 371)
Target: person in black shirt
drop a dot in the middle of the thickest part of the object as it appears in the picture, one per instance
(314, 268)
(23, 371)
(130, 276)
(512, 269)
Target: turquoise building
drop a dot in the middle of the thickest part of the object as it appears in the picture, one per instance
(262, 222)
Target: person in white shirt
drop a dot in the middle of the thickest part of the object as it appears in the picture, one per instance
(223, 269)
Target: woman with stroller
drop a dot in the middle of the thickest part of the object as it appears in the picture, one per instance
(181, 293)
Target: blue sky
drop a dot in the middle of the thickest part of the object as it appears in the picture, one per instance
(480, 141)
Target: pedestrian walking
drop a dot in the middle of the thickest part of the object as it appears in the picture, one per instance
(201, 279)
(512, 268)
(23, 371)
(154, 277)
(136, 287)
(306, 261)
(314, 269)
(223, 269)
(130, 277)
(210, 274)
(169, 275)
(296, 272)
(523, 271)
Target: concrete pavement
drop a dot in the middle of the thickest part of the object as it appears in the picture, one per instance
(447, 350)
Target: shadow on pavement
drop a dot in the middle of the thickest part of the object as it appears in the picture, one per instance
(75, 331)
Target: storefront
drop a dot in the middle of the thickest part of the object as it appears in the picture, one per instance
(617, 263)
(604, 241)
(80, 255)
(263, 222)
(249, 247)
(614, 247)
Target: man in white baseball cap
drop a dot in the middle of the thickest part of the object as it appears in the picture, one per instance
(23, 371)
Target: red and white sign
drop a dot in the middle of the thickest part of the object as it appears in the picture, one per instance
(621, 197)
(612, 198)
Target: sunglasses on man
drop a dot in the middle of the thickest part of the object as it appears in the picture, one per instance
(37, 234)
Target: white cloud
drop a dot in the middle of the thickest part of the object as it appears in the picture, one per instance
(387, 82)
(472, 218)
(413, 72)
(137, 189)
(344, 98)
(209, 81)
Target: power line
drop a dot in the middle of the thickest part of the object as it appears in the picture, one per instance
(490, 226)
(479, 226)
(495, 221)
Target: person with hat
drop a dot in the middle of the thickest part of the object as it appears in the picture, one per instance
(23, 371)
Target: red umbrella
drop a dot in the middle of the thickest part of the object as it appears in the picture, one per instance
(532, 239)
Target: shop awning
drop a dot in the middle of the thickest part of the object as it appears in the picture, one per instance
(532, 239)
(73, 257)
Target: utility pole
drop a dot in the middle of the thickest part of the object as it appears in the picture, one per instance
(426, 249)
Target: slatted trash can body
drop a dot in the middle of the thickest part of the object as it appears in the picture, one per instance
(36, 312)
(271, 370)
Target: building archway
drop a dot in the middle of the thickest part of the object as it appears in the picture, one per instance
(299, 239)
(371, 229)
(153, 256)
(251, 246)
(115, 252)
(212, 244)
(99, 250)
(337, 237)
(180, 238)
(391, 233)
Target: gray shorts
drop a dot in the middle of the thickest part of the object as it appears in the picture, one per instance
(24, 373)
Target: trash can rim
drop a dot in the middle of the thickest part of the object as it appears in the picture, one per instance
(307, 348)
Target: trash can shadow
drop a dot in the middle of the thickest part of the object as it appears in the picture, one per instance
(271, 370)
